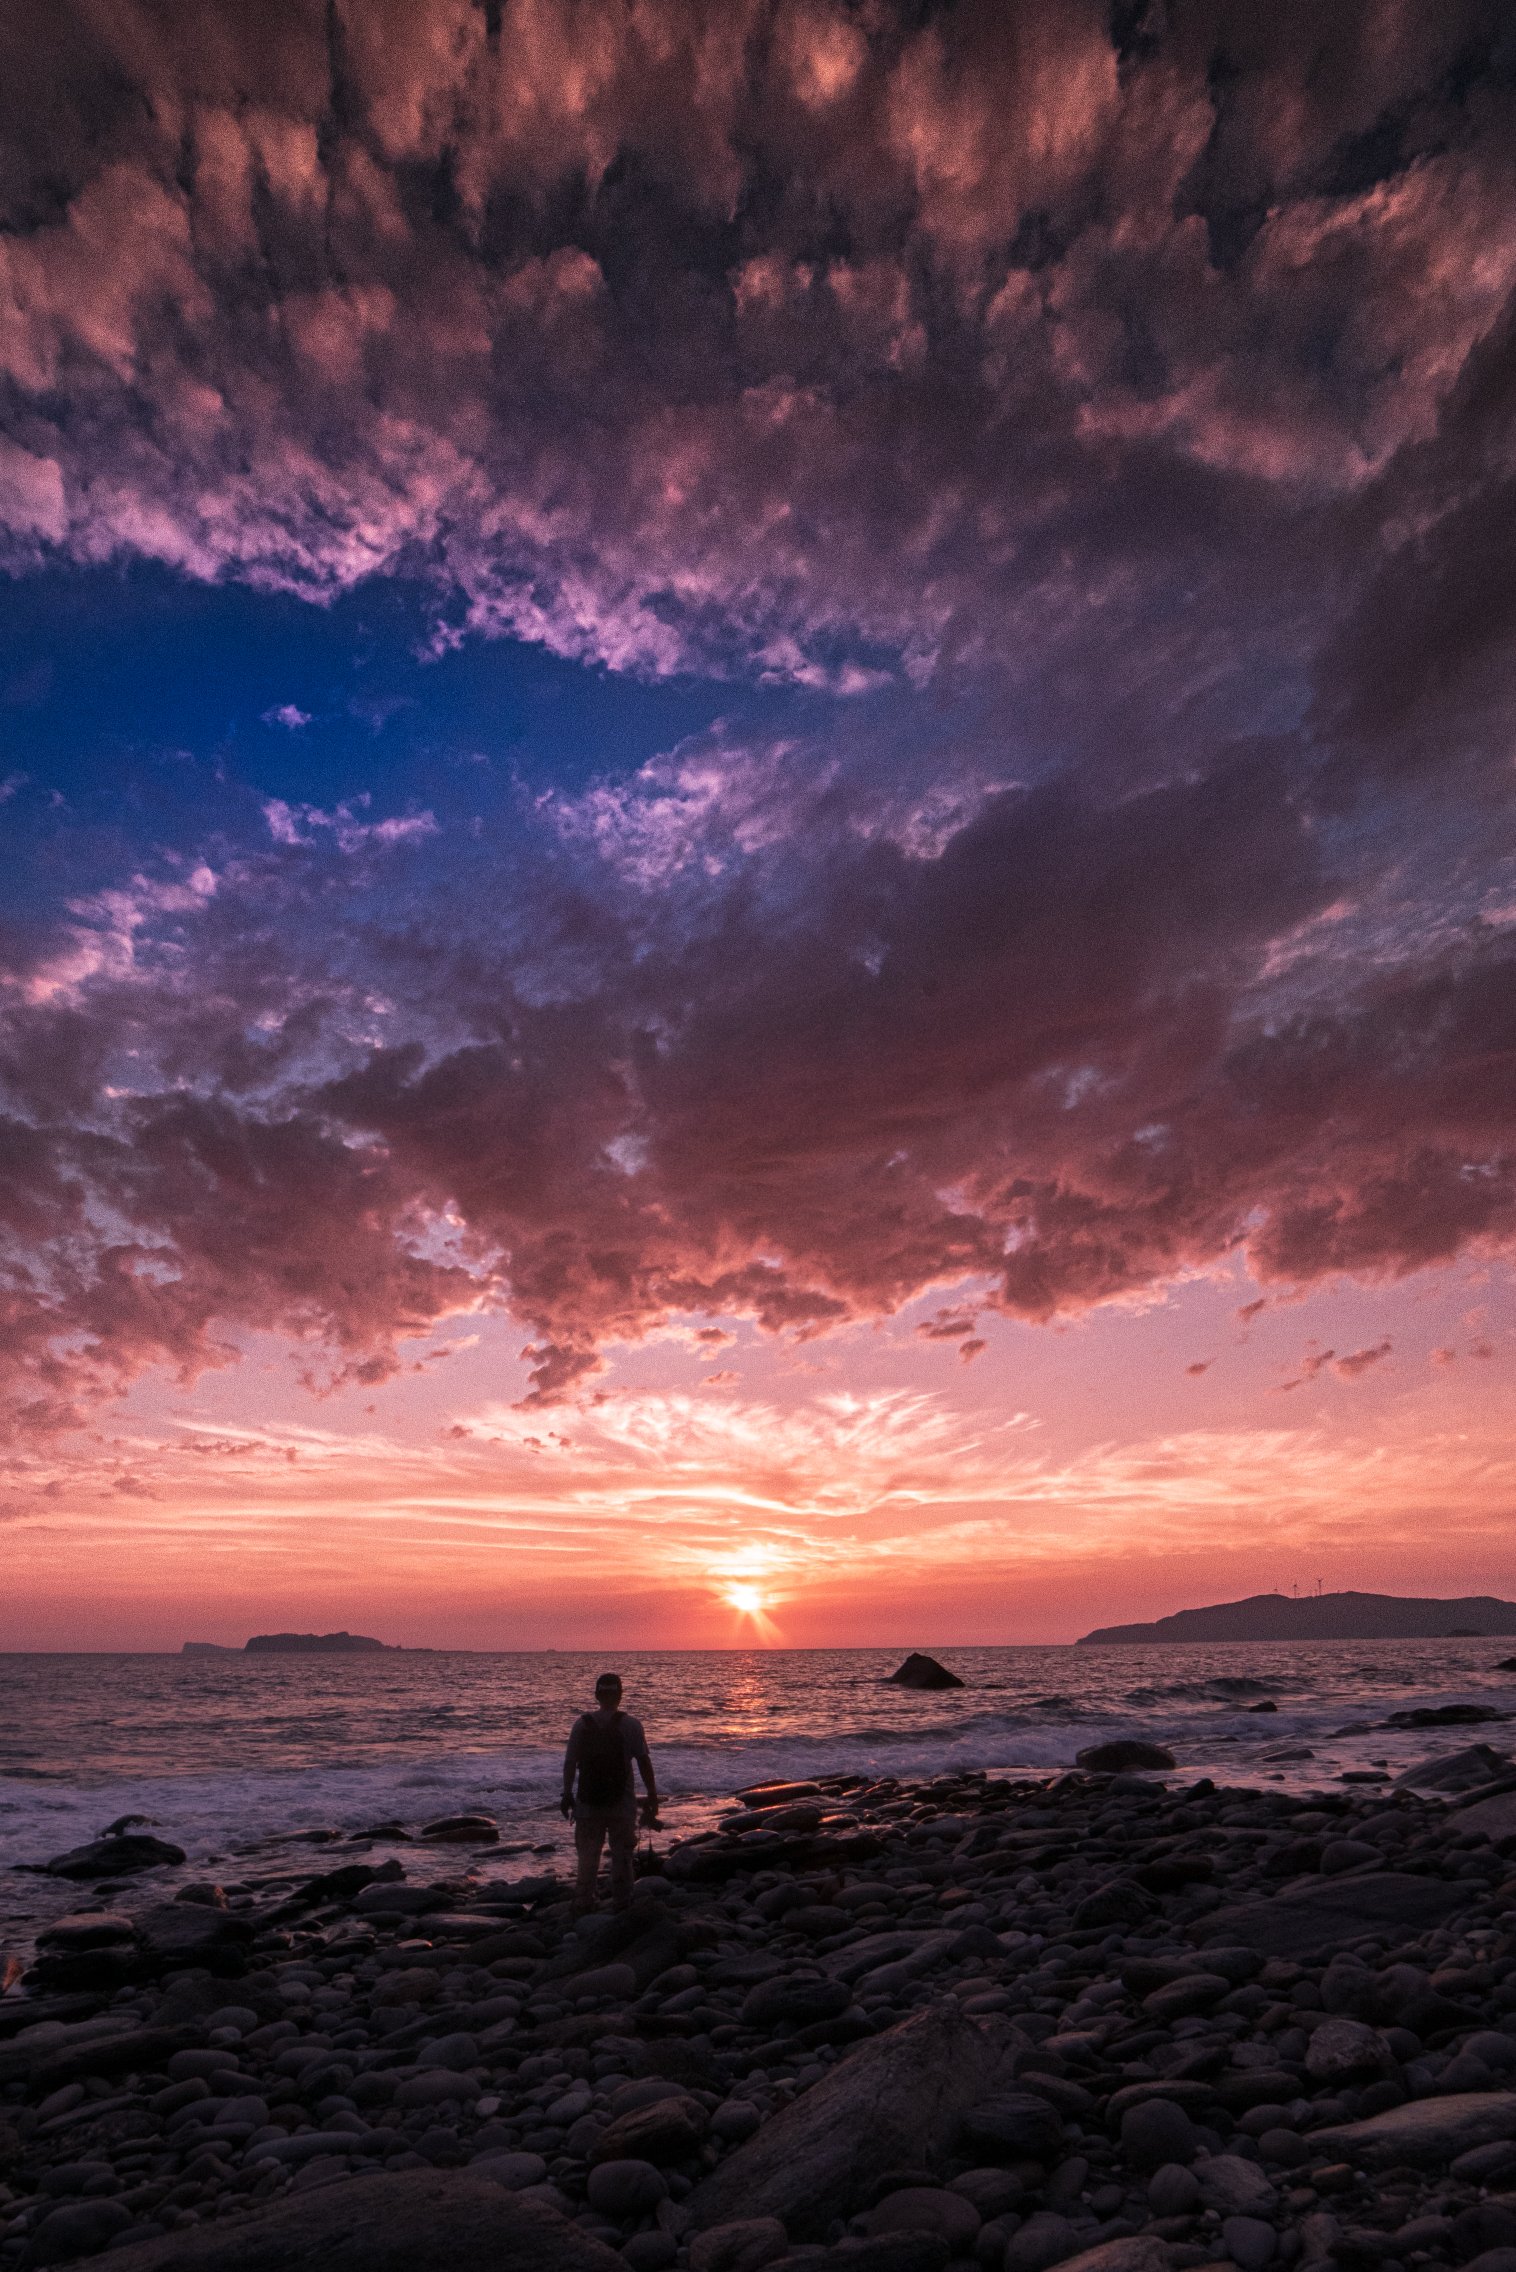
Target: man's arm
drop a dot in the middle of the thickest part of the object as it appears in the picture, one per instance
(644, 1761)
(570, 1769)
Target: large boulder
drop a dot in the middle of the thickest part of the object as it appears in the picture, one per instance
(894, 2103)
(1307, 1920)
(1428, 2131)
(394, 2222)
(1121, 1755)
(1455, 1771)
(1494, 1818)
(923, 1672)
(119, 1857)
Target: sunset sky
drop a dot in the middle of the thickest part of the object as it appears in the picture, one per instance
(756, 779)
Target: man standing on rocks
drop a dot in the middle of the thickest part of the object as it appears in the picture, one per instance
(601, 1749)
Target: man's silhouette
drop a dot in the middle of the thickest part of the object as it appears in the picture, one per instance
(598, 1792)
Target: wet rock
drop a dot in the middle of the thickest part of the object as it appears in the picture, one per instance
(1429, 2131)
(172, 1936)
(928, 2209)
(463, 1830)
(744, 2246)
(892, 2103)
(1122, 1755)
(1455, 1770)
(919, 1671)
(1157, 2132)
(86, 1929)
(625, 2189)
(1445, 1716)
(118, 1857)
(389, 2222)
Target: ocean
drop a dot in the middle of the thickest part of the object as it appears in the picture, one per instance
(257, 1763)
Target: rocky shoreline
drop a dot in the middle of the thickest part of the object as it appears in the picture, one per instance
(1085, 2020)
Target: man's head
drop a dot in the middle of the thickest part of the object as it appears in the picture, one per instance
(608, 1691)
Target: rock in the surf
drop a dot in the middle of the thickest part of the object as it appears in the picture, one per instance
(920, 1671)
(1121, 1755)
(116, 1857)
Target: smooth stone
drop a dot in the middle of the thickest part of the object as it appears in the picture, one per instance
(1494, 1818)
(744, 2246)
(1045, 2239)
(650, 2252)
(605, 1981)
(436, 2087)
(1193, 1992)
(1340, 1854)
(393, 2221)
(1484, 2225)
(927, 2209)
(1234, 2187)
(1156, 2133)
(735, 2120)
(994, 2192)
(178, 1934)
(1173, 2191)
(894, 2102)
(1455, 1771)
(1494, 2260)
(81, 2228)
(1427, 2131)
(514, 2171)
(453, 2051)
(1250, 2242)
(625, 2189)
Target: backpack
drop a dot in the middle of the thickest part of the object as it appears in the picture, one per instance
(604, 1771)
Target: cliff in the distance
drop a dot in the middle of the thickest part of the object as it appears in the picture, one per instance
(311, 1644)
(1323, 1617)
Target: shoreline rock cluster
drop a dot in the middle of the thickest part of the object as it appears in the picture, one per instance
(999, 2025)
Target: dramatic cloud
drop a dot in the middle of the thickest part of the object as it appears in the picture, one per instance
(1105, 416)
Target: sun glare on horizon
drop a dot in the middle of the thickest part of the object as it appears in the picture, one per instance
(747, 1599)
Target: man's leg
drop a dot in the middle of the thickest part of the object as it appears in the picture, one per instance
(589, 1836)
(621, 1823)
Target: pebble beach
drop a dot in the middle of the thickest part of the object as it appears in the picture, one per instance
(1114, 2019)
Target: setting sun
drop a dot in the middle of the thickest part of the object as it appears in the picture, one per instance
(746, 1598)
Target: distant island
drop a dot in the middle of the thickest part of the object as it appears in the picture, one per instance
(324, 1644)
(1323, 1617)
(290, 1645)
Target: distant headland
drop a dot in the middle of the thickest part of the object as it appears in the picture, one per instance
(1323, 1617)
(290, 1645)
